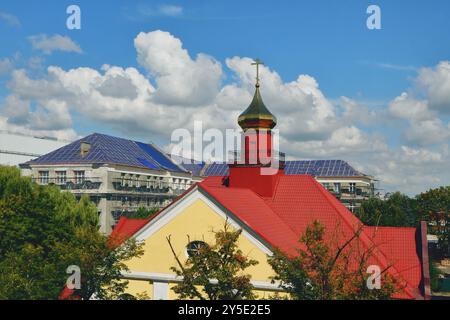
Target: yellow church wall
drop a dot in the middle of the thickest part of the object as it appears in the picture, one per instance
(197, 221)
(139, 287)
(260, 294)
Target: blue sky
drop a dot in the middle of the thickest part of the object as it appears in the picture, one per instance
(326, 40)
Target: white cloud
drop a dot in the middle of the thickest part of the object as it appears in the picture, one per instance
(170, 10)
(396, 67)
(146, 11)
(408, 108)
(436, 83)
(179, 89)
(6, 66)
(10, 19)
(180, 79)
(425, 128)
(56, 42)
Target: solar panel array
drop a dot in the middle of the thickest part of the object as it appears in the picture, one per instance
(321, 168)
(216, 169)
(108, 149)
(193, 167)
(316, 168)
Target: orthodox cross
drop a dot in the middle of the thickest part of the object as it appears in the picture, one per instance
(256, 63)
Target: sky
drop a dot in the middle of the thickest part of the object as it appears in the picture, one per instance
(379, 99)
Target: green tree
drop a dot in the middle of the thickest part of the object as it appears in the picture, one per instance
(326, 271)
(142, 213)
(397, 211)
(434, 206)
(215, 271)
(43, 231)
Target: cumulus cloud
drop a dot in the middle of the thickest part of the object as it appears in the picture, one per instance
(178, 88)
(56, 42)
(436, 83)
(424, 127)
(180, 79)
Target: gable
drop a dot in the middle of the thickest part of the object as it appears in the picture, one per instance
(194, 216)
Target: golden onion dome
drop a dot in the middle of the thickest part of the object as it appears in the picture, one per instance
(257, 116)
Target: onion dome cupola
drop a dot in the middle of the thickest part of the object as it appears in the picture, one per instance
(257, 116)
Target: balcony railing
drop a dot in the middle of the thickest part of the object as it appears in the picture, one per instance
(71, 183)
(144, 186)
(351, 194)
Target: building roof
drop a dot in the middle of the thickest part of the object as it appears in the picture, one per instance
(297, 201)
(111, 150)
(315, 168)
(193, 166)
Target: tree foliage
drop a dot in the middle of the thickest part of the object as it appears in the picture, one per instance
(434, 206)
(397, 211)
(215, 271)
(400, 210)
(327, 271)
(142, 213)
(43, 231)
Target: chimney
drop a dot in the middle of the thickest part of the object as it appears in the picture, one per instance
(84, 148)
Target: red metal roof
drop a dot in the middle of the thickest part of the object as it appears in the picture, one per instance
(297, 201)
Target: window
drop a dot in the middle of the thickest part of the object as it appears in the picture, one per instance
(61, 177)
(43, 177)
(122, 179)
(130, 181)
(337, 187)
(193, 247)
(79, 177)
(352, 187)
(138, 182)
(326, 185)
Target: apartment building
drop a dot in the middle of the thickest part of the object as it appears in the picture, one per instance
(119, 175)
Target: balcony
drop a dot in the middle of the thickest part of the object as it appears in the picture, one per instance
(358, 193)
(144, 186)
(71, 183)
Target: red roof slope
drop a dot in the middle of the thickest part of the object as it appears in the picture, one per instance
(297, 201)
(399, 247)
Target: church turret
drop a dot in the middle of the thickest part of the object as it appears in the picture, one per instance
(252, 168)
(257, 116)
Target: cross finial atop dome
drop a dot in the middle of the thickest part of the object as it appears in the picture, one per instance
(256, 63)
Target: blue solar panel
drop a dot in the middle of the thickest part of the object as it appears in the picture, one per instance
(147, 164)
(193, 167)
(108, 149)
(159, 157)
(316, 168)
